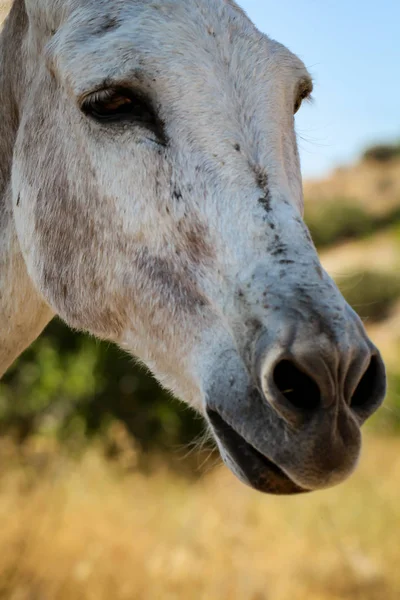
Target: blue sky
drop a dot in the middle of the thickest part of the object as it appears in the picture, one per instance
(352, 49)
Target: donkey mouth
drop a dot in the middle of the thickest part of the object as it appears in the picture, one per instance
(254, 468)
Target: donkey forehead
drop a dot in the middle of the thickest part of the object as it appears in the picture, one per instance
(110, 40)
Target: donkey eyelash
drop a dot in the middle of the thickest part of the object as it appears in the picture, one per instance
(123, 105)
(98, 95)
(304, 95)
(107, 102)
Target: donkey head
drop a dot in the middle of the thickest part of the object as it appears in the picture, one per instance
(158, 204)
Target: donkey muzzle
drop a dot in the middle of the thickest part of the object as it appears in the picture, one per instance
(291, 423)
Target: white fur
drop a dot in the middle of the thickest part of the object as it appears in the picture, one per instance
(182, 254)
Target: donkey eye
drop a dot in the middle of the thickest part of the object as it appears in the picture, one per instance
(122, 105)
(297, 105)
(115, 105)
(302, 96)
(304, 92)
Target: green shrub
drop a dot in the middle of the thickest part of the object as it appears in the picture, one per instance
(72, 386)
(371, 293)
(382, 152)
(336, 220)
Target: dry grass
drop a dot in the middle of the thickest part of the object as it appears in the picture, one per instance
(86, 532)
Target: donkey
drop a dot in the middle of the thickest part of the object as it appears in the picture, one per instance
(150, 194)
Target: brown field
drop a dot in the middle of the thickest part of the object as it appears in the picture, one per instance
(86, 531)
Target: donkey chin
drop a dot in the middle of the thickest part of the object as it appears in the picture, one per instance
(283, 428)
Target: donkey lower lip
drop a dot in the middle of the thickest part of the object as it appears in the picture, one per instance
(261, 473)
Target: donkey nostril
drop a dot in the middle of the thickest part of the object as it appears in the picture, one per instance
(297, 387)
(365, 392)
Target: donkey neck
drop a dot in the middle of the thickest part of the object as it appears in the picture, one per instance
(23, 313)
(10, 74)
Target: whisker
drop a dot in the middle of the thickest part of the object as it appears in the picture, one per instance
(211, 465)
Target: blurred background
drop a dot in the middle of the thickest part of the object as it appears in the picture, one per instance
(110, 489)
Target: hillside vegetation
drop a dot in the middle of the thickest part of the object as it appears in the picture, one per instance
(354, 217)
